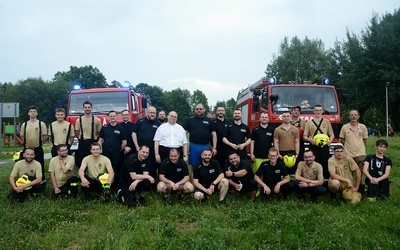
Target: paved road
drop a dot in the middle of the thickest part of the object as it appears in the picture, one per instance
(10, 162)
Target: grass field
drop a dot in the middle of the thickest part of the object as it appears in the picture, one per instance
(42, 223)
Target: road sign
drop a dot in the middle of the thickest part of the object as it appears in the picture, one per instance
(9, 109)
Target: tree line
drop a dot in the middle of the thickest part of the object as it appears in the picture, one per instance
(47, 96)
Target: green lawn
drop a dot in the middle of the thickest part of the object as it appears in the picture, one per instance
(42, 223)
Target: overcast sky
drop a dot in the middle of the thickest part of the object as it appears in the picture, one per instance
(216, 46)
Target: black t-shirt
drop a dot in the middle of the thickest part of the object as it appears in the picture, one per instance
(377, 166)
(174, 172)
(132, 164)
(145, 131)
(242, 165)
(271, 175)
(263, 139)
(128, 128)
(200, 129)
(237, 134)
(112, 136)
(207, 174)
(220, 127)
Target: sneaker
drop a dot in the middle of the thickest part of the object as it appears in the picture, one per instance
(180, 197)
(223, 203)
(166, 200)
(118, 196)
(142, 201)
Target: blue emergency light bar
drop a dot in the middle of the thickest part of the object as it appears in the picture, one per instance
(77, 87)
(325, 81)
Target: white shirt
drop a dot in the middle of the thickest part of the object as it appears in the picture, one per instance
(171, 136)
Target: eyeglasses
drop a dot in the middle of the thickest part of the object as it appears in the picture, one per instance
(308, 157)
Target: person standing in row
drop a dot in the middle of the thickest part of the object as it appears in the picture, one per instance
(169, 136)
(286, 140)
(300, 124)
(143, 134)
(261, 141)
(112, 141)
(202, 135)
(87, 129)
(34, 135)
(221, 124)
(61, 132)
(319, 125)
(353, 136)
(237, 136)
(128, 127)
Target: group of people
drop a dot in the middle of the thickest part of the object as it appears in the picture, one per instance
(130, 159)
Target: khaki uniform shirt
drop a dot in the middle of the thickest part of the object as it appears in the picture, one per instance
(313, 172)
(33, 169)
(87, 127)
(32, 137)
(344, 169)
(325, 127)
(94, 168)
(60, 131)
(55, 167)
(354, 139)
(286, 137)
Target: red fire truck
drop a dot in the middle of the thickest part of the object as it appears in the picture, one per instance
(104, 100)
(267, 96)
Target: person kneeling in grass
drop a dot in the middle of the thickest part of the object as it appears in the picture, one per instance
(61, 170)
(309, 177)
(93, 166)
(274, 175)
(377, 170)
(26, 177)
(240, 176)
(341, 169)
(135, 178)
(174, 176)
(208, 178)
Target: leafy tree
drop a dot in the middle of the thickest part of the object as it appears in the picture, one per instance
(229, 106)
(199, 97)
(178, 100)
(87, 76)
(368, 62)
(299, 61)
(115, 84)
(155, 93)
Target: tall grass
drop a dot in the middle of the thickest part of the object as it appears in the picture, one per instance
(42, 223)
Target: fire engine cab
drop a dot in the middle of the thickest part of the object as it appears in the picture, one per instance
(267, 96)
(104, 100)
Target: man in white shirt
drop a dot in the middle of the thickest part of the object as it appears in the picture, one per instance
(170, 135)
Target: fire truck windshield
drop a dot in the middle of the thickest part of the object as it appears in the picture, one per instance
(102, 102)
(305, 97)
